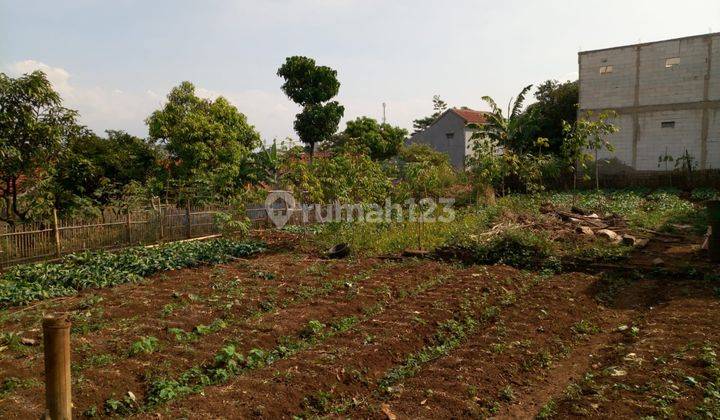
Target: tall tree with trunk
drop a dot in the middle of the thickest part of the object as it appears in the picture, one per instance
(34, 126)
(208, 141)
(588, 134)
(312, 86)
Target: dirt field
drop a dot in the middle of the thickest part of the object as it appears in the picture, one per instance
(386, 338)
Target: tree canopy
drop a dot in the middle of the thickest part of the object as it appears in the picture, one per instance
(364, 134)
(312, 86)
(33, 128)
(556, 102)
(205, 139)
(99, 168)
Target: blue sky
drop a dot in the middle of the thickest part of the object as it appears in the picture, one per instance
(115, 61)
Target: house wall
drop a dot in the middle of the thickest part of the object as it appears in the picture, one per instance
(436, 136)
(646, 94)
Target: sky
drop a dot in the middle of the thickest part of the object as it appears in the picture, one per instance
(115, 61)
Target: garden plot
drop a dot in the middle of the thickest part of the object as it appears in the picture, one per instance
(383, 336)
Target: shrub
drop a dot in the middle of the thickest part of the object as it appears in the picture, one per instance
(513, 246)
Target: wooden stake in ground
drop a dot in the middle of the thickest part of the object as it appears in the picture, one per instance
(56, 234)
(56, 338)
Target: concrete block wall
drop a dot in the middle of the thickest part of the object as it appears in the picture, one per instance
(609, 90)
(713, 143)
(646, 93)
(621, 141)
(655, 140)
(714, 88)
(681, 83)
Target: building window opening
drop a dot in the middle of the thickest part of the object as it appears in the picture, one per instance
(672, 62)
(667, 124)
(606, 69)
(449, 136)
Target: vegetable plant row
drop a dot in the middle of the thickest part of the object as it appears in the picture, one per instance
(27, 283)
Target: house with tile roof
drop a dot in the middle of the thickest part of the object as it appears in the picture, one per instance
(450, 133)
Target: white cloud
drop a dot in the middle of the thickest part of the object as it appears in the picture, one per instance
(58, 77)
(103, 108)
(272, 113)
(100, 108)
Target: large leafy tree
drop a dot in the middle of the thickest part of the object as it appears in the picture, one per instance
(207, 140)
(365, 134)
(100, 168)
(439, 106)
(556, 102)
(312, 86)
(34, 126)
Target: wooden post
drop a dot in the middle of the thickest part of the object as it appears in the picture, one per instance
(160, 220)
(56, 231)
(188, 231)
(127, 226)
(58, 396)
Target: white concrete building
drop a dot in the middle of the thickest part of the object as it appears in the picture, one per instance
(450, 134)
(667, 96)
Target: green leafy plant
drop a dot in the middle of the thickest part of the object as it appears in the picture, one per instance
(145, 345)
(26, 283)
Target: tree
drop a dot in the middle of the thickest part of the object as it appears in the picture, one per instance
(207, 140)
(556, 102)
(439, 106)
(99, 168)
(365, 134)
(503, 150)
(588, 133)
(508, 132)
(312, 86)
(33, 129)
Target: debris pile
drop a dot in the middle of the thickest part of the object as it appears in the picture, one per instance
(611, 228)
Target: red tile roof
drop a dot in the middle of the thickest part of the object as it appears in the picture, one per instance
(471, 115)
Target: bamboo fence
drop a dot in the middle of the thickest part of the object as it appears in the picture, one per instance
(114, 229)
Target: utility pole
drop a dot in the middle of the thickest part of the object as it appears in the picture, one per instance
(384, 119)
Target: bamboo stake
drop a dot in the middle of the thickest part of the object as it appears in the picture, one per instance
(58, 396)
(188, 231)
(160, 220)
(56, 229)
(127, 226)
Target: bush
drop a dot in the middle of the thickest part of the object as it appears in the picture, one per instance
(515, 247)
(344, 177)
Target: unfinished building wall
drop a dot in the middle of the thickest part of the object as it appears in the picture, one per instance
(667, 96)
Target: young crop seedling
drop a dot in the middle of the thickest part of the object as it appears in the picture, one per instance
(584, 327)
(145, 345)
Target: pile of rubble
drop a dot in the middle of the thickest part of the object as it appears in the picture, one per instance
(612, 228)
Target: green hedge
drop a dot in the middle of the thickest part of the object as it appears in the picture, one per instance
(26, 283)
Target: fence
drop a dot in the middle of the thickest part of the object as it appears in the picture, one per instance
(113, 229)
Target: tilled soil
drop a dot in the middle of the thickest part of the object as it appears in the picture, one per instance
(623, 343)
